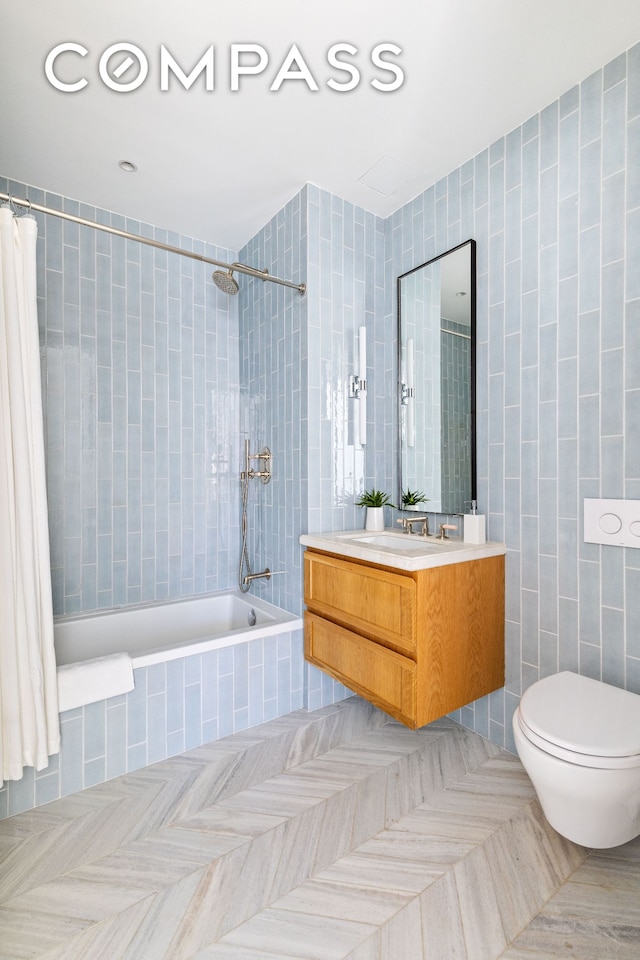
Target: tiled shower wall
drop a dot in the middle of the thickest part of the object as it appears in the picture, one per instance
(141, 405)
(297, 354)
(555, 209)
(273, 364)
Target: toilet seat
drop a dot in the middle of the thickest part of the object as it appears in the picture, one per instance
(583, 721)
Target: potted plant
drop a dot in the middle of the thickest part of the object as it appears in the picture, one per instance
(412, 498)
(375, 501)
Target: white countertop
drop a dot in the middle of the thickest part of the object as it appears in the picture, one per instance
(401, 550)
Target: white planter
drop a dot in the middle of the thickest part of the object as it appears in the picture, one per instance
(374, 519)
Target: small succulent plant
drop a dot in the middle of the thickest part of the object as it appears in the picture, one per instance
(374, 498)
(410, 498)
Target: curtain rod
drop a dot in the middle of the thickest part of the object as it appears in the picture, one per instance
(237, 267)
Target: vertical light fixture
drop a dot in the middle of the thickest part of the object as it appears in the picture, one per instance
(358, 385)
(362, 374)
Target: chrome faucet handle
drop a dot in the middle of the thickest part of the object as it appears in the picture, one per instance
(443, 528)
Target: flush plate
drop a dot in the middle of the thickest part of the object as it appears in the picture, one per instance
(616, 522)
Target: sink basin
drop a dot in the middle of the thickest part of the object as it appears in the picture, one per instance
(399, 542)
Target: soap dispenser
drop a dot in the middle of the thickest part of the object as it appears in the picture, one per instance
(474, 525)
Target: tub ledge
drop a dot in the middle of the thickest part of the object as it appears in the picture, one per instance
(91, 680)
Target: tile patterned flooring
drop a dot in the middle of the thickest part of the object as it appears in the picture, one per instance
(318, 836)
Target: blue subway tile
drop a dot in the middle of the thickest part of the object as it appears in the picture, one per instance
(156, 726)
(116, 740)
(591, 107)
(193, 715)
(175, 695)
(21, 793)
(614, 130)
(589, 279)
(71, 761)
(175, 743)
(47, 789)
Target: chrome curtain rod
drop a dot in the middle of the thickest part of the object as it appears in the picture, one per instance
(236, 267)
(454, 333)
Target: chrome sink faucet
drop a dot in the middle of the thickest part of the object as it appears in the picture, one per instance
(408, 522)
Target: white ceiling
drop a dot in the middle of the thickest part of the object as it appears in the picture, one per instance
(217, 165)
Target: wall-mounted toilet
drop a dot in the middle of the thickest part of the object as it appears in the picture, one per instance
(579, 741)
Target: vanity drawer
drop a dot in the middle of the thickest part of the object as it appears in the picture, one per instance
(377, 603)
(383, 677)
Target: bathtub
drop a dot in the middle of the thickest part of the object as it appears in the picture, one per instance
(154, 633)
(146, 682)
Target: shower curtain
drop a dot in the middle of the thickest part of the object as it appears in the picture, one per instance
(29, 726)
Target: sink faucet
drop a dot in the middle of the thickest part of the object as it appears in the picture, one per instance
(408, 522)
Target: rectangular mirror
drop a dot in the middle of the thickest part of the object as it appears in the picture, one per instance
(436, 373)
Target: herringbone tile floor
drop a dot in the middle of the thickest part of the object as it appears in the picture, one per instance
(319, 836)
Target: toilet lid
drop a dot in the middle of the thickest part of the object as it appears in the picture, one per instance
(583, 715)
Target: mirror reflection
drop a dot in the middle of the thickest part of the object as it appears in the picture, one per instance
(436, 364)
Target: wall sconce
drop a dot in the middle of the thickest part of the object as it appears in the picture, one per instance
(358, 385)
(407, 397)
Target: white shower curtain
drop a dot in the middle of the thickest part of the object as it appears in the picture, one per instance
(29, 727)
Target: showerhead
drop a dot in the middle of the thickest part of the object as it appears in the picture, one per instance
(225, 281)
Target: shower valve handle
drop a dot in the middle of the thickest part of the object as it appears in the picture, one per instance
(265, 454)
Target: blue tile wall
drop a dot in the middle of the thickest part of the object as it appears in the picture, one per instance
(273, 337)
(297, 354)
(347, 288)
(141, 405)
(554, 207)
(287, 352)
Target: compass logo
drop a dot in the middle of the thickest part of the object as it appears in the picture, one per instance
(124, 67)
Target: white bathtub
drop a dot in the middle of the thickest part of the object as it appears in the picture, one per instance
(157, 632)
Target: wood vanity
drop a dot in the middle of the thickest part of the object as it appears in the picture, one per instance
(417, 643)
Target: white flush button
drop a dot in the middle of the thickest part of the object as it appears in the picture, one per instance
(615, 522)
(610, 523)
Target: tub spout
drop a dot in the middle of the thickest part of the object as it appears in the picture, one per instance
(266, 574)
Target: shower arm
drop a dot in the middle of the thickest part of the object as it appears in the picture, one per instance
(237, 267)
